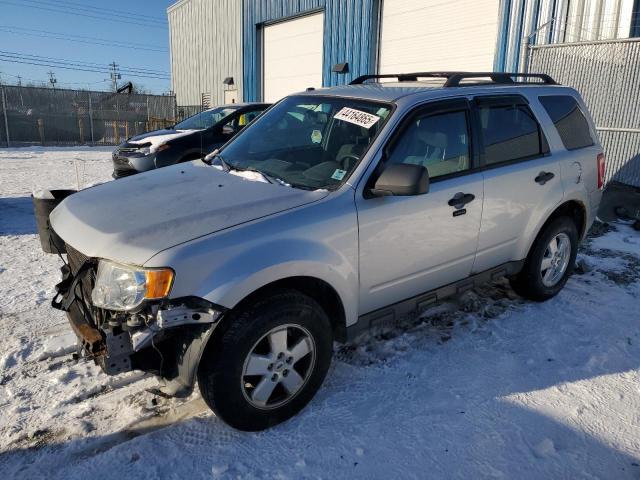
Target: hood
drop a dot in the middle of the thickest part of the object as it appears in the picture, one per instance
(132, 219)
(158, 137)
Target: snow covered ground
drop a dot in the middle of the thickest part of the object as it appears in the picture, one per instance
(487, 386)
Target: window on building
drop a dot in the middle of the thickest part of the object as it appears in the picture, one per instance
(569, 120)
(438, 142)
(510, 132)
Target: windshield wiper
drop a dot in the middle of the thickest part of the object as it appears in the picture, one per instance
(208, 159)
(268, 178)
(228, 167)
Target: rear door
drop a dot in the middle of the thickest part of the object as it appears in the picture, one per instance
(412, 244)
(521, 177)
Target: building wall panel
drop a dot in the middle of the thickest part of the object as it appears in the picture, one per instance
(206, 47)
(351, 32)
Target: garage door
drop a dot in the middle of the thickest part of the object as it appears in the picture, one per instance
(423, 35)
(292, 56)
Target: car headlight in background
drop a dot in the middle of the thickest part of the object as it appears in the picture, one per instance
(123, 287)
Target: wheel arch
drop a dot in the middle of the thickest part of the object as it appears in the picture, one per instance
(574, 209)
(317, 289)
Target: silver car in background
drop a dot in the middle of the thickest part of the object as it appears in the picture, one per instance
(338, 211)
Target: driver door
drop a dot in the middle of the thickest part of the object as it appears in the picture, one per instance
(413, 244)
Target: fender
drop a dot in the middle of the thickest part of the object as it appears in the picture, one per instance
(227, 266)
(252, 270)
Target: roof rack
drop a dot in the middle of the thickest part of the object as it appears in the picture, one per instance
(453, 79)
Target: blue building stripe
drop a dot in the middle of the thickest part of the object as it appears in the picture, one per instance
(350, 35)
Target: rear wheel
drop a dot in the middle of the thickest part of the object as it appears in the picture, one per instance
(268, 363)
(550, 261)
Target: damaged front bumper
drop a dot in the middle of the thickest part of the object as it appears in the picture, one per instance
(165, 338)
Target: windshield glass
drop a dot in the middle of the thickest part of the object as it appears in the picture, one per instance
(308, 142)
(205, 119)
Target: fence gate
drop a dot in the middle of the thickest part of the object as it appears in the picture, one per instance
(607, 75)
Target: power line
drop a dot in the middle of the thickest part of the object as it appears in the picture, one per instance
(103, 12)
(102, 9)
(70, 12)
(79, 63)
(80, 38)
(79, 69)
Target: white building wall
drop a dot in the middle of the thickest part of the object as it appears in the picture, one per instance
(206, 47)
(423, 35)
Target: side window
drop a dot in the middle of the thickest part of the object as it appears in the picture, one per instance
(247, 117)
(439, 142)
(569, 120)
(510, 132)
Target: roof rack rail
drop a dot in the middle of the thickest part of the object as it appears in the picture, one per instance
(500, 78)
(455, 78)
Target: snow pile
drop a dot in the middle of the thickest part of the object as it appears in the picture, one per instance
(487, 385)
(155, 141)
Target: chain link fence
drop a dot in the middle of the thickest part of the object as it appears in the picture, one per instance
(607, 75)
(47, 116)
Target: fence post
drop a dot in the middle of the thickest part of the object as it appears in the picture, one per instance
(116, 131)
(4, 113)
(40, 123)
(91, 120)
(81, 130)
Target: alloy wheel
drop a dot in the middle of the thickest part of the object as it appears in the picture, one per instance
(278, 366)
(555, 260)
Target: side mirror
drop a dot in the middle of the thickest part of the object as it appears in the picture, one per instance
(401, 179)
(228, 130)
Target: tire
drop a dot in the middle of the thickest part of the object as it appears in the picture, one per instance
(533, 282)
(226, 373)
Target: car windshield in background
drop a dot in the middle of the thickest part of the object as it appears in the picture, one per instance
(205, 119)
(308, 142)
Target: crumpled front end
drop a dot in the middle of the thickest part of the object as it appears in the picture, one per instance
(129, 159)
(165, 338)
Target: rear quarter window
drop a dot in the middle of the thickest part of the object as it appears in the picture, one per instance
(569, 120)
(510, 132)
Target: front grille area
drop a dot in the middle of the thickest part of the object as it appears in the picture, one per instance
(76, 260)
(122, 167)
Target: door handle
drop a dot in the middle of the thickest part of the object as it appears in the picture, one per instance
(544, 177)
(460, 199)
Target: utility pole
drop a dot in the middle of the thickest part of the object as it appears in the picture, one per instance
(115, 76)
(52, 79)
(19, 81)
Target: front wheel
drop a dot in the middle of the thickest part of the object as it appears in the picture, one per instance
(268, 363)
(550, 261)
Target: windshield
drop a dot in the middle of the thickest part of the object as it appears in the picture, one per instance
(308, 142)
(206, 119)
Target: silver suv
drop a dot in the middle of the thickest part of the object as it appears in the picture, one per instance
(338, 211)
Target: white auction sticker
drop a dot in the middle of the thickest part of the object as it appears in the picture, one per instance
(357, 117)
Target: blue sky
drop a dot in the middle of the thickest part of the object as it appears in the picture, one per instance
(28, 28)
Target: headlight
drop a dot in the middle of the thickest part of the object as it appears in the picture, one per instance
(122, 287)
(145, 151)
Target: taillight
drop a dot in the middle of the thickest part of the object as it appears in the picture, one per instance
(601, 170)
